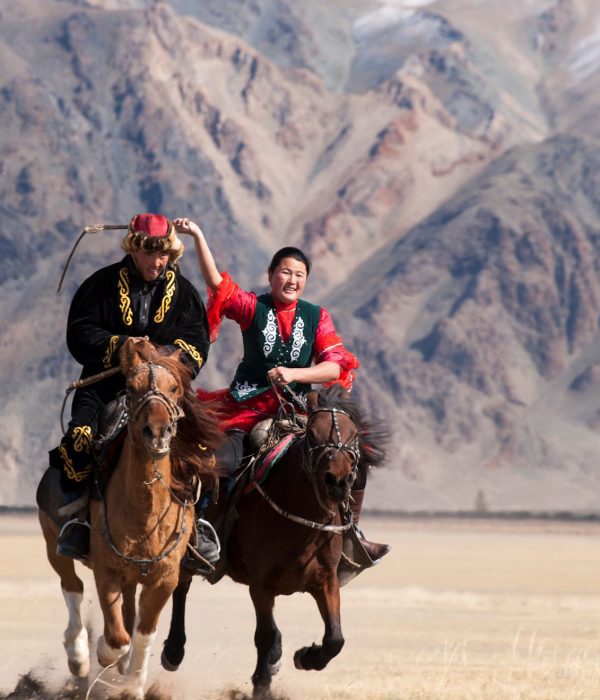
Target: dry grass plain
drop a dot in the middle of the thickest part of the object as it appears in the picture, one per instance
(459, 610)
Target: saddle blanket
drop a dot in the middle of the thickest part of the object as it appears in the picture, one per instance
(266, 463)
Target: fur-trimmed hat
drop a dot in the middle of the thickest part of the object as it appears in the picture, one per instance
(152, 232)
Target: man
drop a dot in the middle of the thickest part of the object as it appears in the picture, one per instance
(142, 295)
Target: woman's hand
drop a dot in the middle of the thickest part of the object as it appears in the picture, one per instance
(208, 268)
(281, 375)
(187, 226)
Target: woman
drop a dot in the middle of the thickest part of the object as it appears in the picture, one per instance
(287, 341)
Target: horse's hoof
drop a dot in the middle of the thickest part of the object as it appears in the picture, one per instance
(169, 664)
(78, 653)
(274, 668)
(107, 655)
(262, 692)
(80, 669)
(305, 659)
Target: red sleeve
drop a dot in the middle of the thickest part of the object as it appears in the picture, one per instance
(329, 348)
(230, 301)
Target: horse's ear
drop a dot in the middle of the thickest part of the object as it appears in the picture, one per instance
(129, 356)
(312, 400)
(176, 354)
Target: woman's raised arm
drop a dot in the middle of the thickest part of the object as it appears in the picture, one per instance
(208, 267)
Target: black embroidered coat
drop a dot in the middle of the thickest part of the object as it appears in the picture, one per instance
(115, 303)
(111, 305)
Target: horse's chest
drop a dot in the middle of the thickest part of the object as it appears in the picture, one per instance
(298, 572)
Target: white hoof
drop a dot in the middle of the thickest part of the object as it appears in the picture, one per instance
(76, 637)
(107, 655)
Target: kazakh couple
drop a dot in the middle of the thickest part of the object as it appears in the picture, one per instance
(287, 341)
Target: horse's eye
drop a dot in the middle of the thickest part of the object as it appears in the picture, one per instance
(173, 389)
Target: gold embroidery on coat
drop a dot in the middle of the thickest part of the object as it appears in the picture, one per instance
(112, 344)
(82, 438)
(191, 350)
(165, 304)
(70, 470)
(124, 301)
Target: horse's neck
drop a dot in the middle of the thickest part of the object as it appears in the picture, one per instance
(140, 484)
(297, 488)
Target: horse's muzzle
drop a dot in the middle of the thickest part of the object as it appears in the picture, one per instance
(157, 445)
(338, 489)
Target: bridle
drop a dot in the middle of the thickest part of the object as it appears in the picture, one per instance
(330, 448)
(309, 465)
(175, 412)
(153, 394)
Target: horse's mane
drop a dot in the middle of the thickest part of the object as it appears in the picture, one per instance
(373, 436)
(198, 431)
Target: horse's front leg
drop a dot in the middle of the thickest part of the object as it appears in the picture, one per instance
(267, 640)
(316, 657)
(128, 609)
(174, 645)
(135, 664)
(114, 643)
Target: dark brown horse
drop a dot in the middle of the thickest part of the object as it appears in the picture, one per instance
(140, 530)
(288, 536)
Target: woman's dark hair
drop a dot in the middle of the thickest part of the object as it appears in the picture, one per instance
(289, 252)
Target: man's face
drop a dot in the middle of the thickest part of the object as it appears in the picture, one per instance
(150, 264)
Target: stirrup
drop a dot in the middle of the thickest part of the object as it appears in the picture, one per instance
(208, 545)
(74, 543)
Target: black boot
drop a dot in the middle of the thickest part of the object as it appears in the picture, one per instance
(74, 540)
(373, 549)
(206, 550)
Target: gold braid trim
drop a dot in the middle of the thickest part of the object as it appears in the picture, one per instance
(124, 301)
(165, 304)
(82, 438)
(112, 344)
(190, 349)
(69, 469)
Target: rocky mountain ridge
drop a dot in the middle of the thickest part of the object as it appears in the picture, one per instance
(437, 160)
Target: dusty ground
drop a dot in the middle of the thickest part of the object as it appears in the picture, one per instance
(459, 609)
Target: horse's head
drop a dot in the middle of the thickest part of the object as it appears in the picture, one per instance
(332, 446)
(154, 393)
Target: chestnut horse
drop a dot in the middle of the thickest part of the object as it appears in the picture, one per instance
(288, 536)
(140, 530)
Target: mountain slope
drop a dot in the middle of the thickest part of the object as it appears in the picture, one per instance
(437, 159)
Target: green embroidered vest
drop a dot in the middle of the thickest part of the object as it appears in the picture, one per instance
(264, 348)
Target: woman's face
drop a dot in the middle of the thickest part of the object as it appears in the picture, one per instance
(287, 280)
(150, 264)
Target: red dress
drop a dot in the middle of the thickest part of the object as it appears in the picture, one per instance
(238, 305)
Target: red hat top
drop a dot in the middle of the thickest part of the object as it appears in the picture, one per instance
(151, 232)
